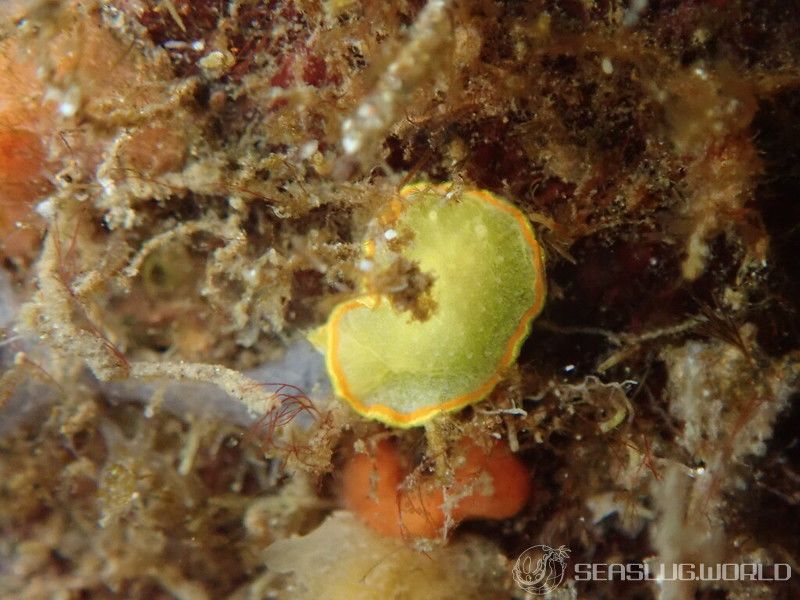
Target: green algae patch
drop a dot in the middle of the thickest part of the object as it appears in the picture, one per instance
(489, 284)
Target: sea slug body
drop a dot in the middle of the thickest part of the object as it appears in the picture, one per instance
(489, 284)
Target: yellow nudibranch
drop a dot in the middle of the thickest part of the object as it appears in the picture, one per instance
(489, 285)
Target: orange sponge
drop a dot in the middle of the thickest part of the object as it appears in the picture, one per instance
(500, 482)
(371, 490)
(493, 484)
(22, 183)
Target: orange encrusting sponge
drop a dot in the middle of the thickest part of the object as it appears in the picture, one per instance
(22, 183)
(496, 486)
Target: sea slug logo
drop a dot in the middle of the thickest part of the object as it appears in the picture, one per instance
(540, 569)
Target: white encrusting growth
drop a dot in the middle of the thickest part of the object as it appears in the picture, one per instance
(378, 110)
